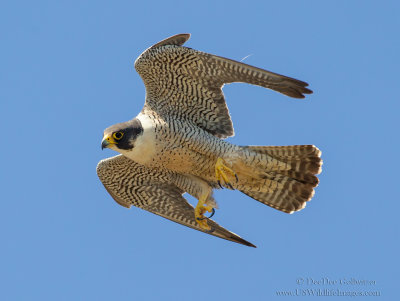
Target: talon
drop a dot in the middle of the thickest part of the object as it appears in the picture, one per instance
(219, 183)
(230, 186)
(237, 179)
(205, 217)
(201, 207)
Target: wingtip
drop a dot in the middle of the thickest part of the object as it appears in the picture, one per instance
(249, 244)
(307, 91)
(242, 241)
(298, 93)
(294, 88)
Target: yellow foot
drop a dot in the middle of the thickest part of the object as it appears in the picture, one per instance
(220, 173)
(200, 209)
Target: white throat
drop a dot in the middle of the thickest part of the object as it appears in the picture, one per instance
(144, 147)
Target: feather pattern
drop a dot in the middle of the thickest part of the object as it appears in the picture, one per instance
(156, 191)
(187, 84)
(174, 145)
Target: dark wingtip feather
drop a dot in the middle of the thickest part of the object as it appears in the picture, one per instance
(307, 91)
(242, 241)
(297, 91)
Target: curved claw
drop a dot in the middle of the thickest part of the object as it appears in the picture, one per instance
(219, 183)
(212, 213)
(202, 218)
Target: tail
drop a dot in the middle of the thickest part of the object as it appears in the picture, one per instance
(283, 177)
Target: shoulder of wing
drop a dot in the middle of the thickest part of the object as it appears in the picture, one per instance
(168, 43)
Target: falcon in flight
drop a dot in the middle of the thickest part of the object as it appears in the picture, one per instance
(175, 145)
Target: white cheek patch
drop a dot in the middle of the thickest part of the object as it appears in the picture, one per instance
(144, 146)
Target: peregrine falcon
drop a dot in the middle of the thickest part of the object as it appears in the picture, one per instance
(175, 144)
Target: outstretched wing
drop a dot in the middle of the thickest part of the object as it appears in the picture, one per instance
(187, 84)
(130, 183)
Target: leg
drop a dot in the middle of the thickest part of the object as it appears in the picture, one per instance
(202, 207)
(220, 173)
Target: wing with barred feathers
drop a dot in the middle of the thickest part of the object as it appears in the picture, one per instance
(187, 84)
(130, 183)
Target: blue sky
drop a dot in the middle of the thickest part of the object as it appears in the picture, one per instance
(67, 73)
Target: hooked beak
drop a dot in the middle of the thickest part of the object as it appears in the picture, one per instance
(107, 141)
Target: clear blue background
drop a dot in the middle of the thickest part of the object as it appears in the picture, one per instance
(66, 73)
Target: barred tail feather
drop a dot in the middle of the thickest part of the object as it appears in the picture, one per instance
(282, 177)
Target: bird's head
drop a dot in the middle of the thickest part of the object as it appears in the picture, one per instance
(122, 136)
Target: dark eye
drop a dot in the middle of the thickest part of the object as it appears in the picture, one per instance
(118, 135)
